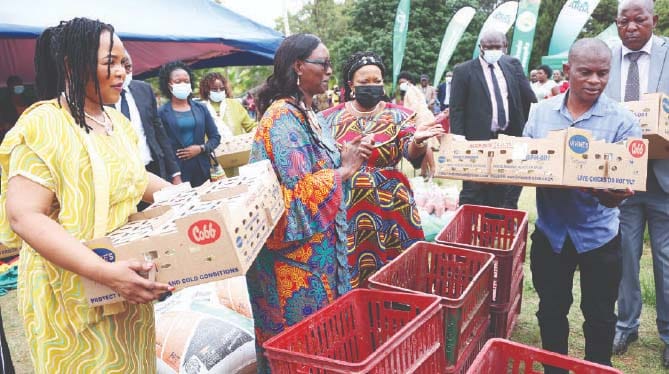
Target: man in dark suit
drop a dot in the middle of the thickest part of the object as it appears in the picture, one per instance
(641, 65)
(138, 103)
(491, 96)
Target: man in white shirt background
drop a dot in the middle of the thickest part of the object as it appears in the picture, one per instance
(138, 104)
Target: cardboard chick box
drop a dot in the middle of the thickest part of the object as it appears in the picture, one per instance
(508, 159)
(199, 235)
(461, 159)
(528, 160)
(653, 114)
(597, 164)
(569, 158)
(235, 151)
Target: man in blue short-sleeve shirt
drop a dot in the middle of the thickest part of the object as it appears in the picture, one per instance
(577, 227)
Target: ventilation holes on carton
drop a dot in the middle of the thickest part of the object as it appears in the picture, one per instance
(150, 255)
(598, 156)
(614, 168)
(585, 156)
(165, 266)
(601, 167)
(620, 159)
(209, 258)
(503, 151)
(236, 230)
(534, 152)
(468, 152)
(170, 252)
(509, 161)
(551, 152)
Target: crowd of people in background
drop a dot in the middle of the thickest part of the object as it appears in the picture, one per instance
(336, 151)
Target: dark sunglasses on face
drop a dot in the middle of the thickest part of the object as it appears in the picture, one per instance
(325, 63)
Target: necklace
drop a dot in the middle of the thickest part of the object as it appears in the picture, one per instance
(360, 113)
(108, 128)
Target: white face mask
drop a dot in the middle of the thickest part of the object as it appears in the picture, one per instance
(449, 79)
(492, 56)
(404, 86)
(181, 90)
(19, 89)
(217, 96)
(126, 82)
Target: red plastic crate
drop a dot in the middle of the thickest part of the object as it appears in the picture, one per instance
(472, 349)
(461, 277)
(502, 232)
(364, 331)
(502, 321)
(501, 356)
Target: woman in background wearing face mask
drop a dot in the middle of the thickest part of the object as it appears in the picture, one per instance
(382, 215)
(230, 116)
(187, 122)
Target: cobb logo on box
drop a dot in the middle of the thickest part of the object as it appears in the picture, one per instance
(637, 148)
(204, 232)
(579, 144)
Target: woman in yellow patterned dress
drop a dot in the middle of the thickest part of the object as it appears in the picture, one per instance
(71, 172)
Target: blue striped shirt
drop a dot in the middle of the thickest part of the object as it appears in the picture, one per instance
(569, 211)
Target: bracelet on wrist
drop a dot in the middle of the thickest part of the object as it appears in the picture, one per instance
(419, 145)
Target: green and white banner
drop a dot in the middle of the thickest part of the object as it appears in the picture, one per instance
(572, 18)
(610, 36)
(400, 36)
(523, 34)
(452, 37)
(501, 19)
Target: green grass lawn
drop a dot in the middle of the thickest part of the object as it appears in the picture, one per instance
(643, 356)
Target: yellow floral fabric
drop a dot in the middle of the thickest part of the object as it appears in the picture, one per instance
(65, 334)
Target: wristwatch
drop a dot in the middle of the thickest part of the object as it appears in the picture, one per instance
(202, 148)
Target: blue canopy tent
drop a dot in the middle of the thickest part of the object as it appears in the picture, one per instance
(198, 32)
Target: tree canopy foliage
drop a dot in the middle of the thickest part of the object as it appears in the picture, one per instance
(354, 25)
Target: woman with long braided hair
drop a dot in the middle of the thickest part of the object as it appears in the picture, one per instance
(381, 212)
(71, 172)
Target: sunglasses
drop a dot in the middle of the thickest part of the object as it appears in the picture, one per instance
(324, 63)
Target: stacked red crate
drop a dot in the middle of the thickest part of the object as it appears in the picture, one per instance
(461, 278)
(364, 331)
(503, 233)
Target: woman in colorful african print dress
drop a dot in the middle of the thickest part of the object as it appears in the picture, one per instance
(71, 171)
(382, 215)
(302, 267)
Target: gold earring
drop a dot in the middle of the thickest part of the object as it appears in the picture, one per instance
(298, 81)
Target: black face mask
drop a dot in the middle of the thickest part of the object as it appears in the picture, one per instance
(369, 96)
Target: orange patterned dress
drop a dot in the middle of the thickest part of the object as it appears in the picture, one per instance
(381, 211)
(302, 267)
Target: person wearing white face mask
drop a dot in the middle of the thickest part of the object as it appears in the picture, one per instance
(187, 122)
(230, 116)
(491, 96)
